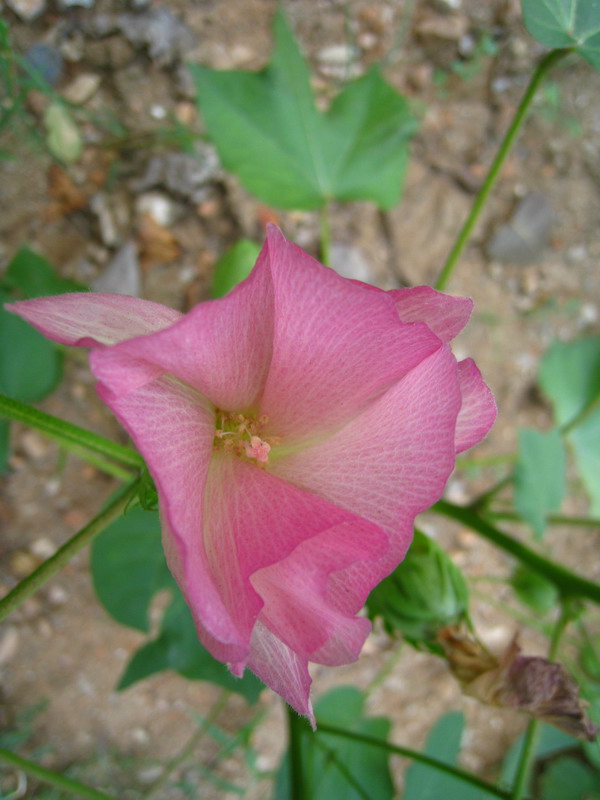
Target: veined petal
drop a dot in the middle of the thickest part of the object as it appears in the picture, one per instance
(336, 347)
(282, 669)
(298, 607)
(445, 315)
(222, 348)
(173, 427)
(90, 319)
(251, 522)
(478, 410)
(390, 462)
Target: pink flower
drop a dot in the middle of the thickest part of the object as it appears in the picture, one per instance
(294, 429)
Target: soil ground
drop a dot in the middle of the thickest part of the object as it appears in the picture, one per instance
(61, 648)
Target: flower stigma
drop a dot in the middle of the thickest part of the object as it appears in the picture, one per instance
(242, 436)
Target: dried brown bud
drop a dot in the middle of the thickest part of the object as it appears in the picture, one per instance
(526, 683)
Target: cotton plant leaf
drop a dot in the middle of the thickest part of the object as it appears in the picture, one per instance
(177, 647)
(570, 378)
(128, 568)
(322, 753)
(31, 275)
(233, 266)
(443, 743)
(566, 23)
(269, 132)
(540, 477)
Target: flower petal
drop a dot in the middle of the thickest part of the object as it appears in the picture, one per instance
(282, 669)
(478, 410)
(222, 347)
(253, 520)
(299, 608)
(90, 319)
(390, 462)
(445, 315)
(335, 346)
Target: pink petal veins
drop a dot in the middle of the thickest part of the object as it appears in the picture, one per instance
(88, 319)
(478, 410)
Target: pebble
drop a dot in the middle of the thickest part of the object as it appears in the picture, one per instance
(122, 275)
(46, 61)
(523, 239)
(9, 644)
(34, 445)
(43, 548)
(82, 88)
(23, 563)
(27, 9)
(339, 61)
(159, 206)
(140, 736)
(349, 262)
(57, 596)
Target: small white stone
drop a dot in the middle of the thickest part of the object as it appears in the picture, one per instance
(9, 644)
(57, 595)
(158, 112)
(27, 9)
(158, 206)
(43, 547)
(82, 88)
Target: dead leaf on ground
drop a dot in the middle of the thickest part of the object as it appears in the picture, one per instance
(157, 244)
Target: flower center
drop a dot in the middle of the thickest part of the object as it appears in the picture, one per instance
(243, 436)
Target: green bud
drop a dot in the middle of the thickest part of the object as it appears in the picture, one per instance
(426, 593)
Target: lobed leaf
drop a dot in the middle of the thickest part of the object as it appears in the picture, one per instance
(566, 23)
(540, 477)
(269, 132)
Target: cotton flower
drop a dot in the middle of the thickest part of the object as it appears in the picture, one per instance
(294, 429)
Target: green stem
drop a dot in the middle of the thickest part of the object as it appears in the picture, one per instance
(296, 730)
(543, 67)
(580, 417)
(325, 225)
(191, 744)
(527, 755)
(482, 501)
(568, 583)
(52, 565)
(551, 519)
(55, 427)
(53, 778)
(415, 755)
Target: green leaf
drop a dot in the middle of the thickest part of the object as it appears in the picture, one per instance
(34, 276)
(177, 647)
(128, 567)
(569, 778)
(443, 743)
(268, 132)
(566, 23)
(62, 134)
(233, 266)
(570, 377)
(539, 477)
(534, 590)
(424, 594)
(30, 365)
(550, 742)
(323, 753)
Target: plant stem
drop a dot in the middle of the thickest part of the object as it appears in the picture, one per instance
(52, 565)
(568, 583)
(551, 519)
(415, 755)
(325, 226)
(543, 67)
(53, 778)
(296, 726)
(527, 755)
(66, 432)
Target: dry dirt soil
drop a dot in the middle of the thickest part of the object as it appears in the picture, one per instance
(60, 649)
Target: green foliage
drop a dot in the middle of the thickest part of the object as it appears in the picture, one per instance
(566, 23)
(570, 377)
(326, 758)
(534, 590)
(128, 568)
(233, 266)
(423, 782)
(568, 777)
(539, 477)
(268, 132)
(423, 595)
(30, 365)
